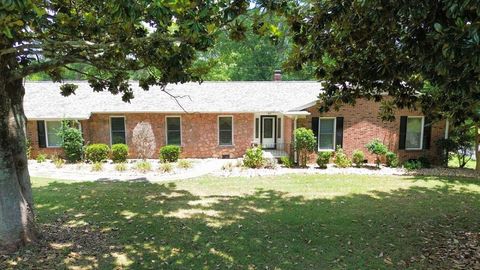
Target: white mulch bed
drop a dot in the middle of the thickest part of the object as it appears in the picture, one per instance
(83, 171)
(216, 167)
(312, 169)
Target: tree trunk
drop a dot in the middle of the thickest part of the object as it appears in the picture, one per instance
(17, 225)
(477, 152)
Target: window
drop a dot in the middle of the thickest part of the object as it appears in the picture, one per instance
(53, 127)
(414, 133)
(174, 131)
(326, 134)
(279, 128)
(225, 130)
(117, 130)
(257, 127)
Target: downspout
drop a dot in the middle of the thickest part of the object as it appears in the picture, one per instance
(294, 150)
(447, 125)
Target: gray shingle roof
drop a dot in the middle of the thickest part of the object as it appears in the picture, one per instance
(44, 101)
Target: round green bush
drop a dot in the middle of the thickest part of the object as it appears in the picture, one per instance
(72, 143)
(377, 148)
(305, 143)
(119, 153)
(253, 158)
(97, 152)
(341, 159)
(170, 153)
(323, 159)
(391, 159)
(358, 157)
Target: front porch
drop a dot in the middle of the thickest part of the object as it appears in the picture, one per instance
(274, 132)
(277, 150)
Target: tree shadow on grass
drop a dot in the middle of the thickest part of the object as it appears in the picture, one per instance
(121, 225)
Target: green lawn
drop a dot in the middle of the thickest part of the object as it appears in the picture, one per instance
(453, 163)
(287, 222)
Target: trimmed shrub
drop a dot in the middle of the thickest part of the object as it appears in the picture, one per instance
(377, 148)
(323, 159)
(72, 142)
(412, 164)
(341, 159)
(97, 152)
(170, 153)
(305, 143)
(166, 167)
(41, 158)
(184, 164)
(97, 166)
(143, 166)
(358, 157)
(253, 158)
(119, 153)
(120, 167)
(287, 162)
(391, 159)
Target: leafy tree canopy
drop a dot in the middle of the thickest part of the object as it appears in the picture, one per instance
(424, 52)
(263, 49)
(106, 40)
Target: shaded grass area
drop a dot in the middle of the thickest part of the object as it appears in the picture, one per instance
(453, 163)
(285, 222)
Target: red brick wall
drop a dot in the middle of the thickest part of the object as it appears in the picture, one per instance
(288, 134)
(199, 133)
(361, 124)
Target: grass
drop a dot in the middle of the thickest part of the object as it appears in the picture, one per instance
(283, 222)
(453, 163)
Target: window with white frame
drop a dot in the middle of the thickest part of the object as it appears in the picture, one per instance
(326, 134)
(225, 130)
(52, 128)
(117, 129)
(414, 133)
(174, 130)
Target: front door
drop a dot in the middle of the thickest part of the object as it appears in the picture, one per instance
(268, 132)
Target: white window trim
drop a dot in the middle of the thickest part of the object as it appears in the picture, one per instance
(110, 126)
(46, 133)
(334, 134)
(233, 128)
(46, 130)
(421, 133)
(166, 128)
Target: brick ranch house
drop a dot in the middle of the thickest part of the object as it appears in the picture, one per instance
(223, 119)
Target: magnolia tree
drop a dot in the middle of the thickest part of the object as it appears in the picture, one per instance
(158, 39)
(421, 53)
(143, 139)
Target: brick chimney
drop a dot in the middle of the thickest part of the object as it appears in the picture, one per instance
(277, 75)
